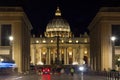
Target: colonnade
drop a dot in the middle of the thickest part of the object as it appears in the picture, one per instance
(47, 55)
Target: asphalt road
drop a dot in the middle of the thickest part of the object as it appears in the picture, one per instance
(51, 77)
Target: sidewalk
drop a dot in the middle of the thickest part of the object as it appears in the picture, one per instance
(87, 77)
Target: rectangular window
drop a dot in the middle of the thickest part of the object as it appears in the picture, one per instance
(5, 33)
(116, 33)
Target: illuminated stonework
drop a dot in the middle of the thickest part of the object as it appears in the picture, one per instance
(58, 26)
(71, 49)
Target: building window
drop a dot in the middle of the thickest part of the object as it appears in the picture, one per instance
(5, 33)
(116, 33)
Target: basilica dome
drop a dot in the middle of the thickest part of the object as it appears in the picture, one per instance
(58, 26)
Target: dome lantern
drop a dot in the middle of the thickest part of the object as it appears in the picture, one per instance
(58, 12)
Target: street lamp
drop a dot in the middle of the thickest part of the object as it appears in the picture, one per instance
(1, 59)
(118, 61)
(81, 68)
(11, 39)
(113, 38)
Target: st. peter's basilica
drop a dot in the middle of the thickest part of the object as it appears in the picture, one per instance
(59, 44)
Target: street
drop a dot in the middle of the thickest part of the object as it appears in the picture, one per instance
(51, 77)
(19, 77)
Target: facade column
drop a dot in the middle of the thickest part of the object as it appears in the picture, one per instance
(35, 55)
(81, 55)
(91, 63)
(40, 52)
(73, 57)
(49, 50)
(88, 53)
(54, 57)
(78, 52)
(33, 60)
(32, 54)
(60, 54)
(65, 56)
(47, 56)
(0, 36)
(94, 63)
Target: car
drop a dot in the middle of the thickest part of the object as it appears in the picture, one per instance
(46, 71)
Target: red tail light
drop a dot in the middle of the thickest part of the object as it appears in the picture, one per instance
(43, 70)
(48, 70)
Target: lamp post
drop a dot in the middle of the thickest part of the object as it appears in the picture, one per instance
(11, 39)
(113, 38)
(118, 61)
(81, 68)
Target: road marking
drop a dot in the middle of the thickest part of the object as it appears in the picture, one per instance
(18, 78)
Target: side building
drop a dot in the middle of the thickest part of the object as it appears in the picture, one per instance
(105, 25)
(59, 44)
(14, 23)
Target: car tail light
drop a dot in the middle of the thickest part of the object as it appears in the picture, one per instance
(48, 70)
(43, 70)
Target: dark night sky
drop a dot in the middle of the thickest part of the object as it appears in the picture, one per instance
(79, 13)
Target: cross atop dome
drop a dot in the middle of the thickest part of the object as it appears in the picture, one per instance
(58, 12)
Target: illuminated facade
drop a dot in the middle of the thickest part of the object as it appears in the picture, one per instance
(59, 42)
